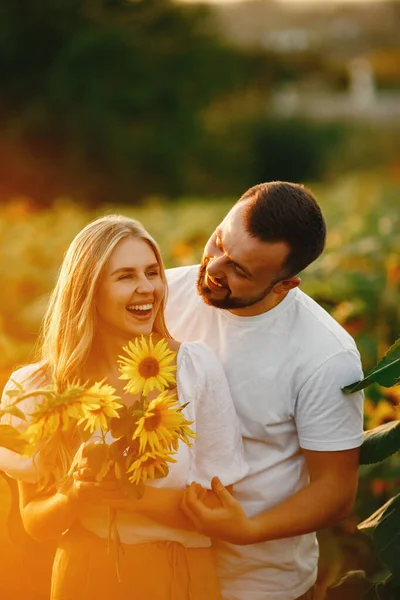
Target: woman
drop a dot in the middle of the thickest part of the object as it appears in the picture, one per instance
(111, 289)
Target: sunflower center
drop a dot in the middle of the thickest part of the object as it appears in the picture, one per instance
(95, 411)
(151, 423)
(150, 462)
(149, 367)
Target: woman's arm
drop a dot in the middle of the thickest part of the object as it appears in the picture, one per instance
(48, 516)
(164, 506)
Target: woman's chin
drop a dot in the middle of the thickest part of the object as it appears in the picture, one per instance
(140, 328)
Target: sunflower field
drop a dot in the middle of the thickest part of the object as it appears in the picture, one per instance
(357, 280)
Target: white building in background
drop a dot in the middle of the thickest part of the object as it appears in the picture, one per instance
(362, 83)
(361, 101)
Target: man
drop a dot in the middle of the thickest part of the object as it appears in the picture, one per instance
(286, 361)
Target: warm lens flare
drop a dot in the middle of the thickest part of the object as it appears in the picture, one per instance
(147, 366)
(150, 465)
(99, 403)
(162, 425)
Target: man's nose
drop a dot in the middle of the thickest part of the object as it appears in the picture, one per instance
(215, 267)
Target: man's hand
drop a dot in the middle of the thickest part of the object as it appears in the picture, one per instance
(227, 522)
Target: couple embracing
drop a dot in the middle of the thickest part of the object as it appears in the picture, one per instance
(259, 372)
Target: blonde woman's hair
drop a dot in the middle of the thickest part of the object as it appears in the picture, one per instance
(69, 324)
(68, 327)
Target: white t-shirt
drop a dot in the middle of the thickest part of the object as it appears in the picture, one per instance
(285, 370)
(218, 448)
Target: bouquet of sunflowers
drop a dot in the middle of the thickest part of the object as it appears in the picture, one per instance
(135, 442)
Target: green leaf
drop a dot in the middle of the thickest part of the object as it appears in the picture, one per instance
(352, 586)
(372, 521)
(84, 434)
(11, 439)
(98, 459)
(380, 443)
(13, 393)
(386, 536)
(123, 425)
(117, 449)
(386, 372)
(389, 589)
(13, 410)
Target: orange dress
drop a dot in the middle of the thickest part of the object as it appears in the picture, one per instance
(84, 569)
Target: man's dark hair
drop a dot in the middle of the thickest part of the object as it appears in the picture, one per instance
(279, 211)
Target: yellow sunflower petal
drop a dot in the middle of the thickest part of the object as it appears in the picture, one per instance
(147, 366)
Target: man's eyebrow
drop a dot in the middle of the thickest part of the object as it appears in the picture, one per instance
(133, 269)
(229, 257)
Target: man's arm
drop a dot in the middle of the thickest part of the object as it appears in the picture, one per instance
(328, 498)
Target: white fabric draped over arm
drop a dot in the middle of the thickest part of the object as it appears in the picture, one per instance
(218, 449)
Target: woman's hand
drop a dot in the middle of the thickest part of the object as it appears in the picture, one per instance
(86, 489)
(47, 516)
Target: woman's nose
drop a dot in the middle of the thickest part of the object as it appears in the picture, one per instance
(144, 286)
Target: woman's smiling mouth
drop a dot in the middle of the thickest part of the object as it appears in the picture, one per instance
(140, 310)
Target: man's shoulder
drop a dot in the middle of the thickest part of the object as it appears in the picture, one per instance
(182, 275)
(324, 327)
(182, 281)
(185, 310)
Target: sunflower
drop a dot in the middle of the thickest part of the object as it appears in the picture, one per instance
(162, 424)
(380, 413)
(99, 404)
(147, 366)
(150, 465)
(54, 415)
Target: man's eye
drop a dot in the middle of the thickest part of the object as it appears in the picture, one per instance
(239, 271)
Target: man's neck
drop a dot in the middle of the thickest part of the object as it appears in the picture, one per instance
(265, 305)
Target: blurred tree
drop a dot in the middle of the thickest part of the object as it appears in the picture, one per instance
(255, 148)
(103, 98)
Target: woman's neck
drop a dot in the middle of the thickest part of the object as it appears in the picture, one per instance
(102, 361)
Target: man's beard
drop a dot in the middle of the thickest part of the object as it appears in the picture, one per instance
(229, 302)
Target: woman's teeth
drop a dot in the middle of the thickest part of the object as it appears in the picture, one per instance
(140, 307)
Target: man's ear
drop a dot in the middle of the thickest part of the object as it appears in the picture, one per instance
(282, 287)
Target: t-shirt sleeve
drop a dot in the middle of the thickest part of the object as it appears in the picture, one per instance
(218, 448)
(326, 418)
(13, 464)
